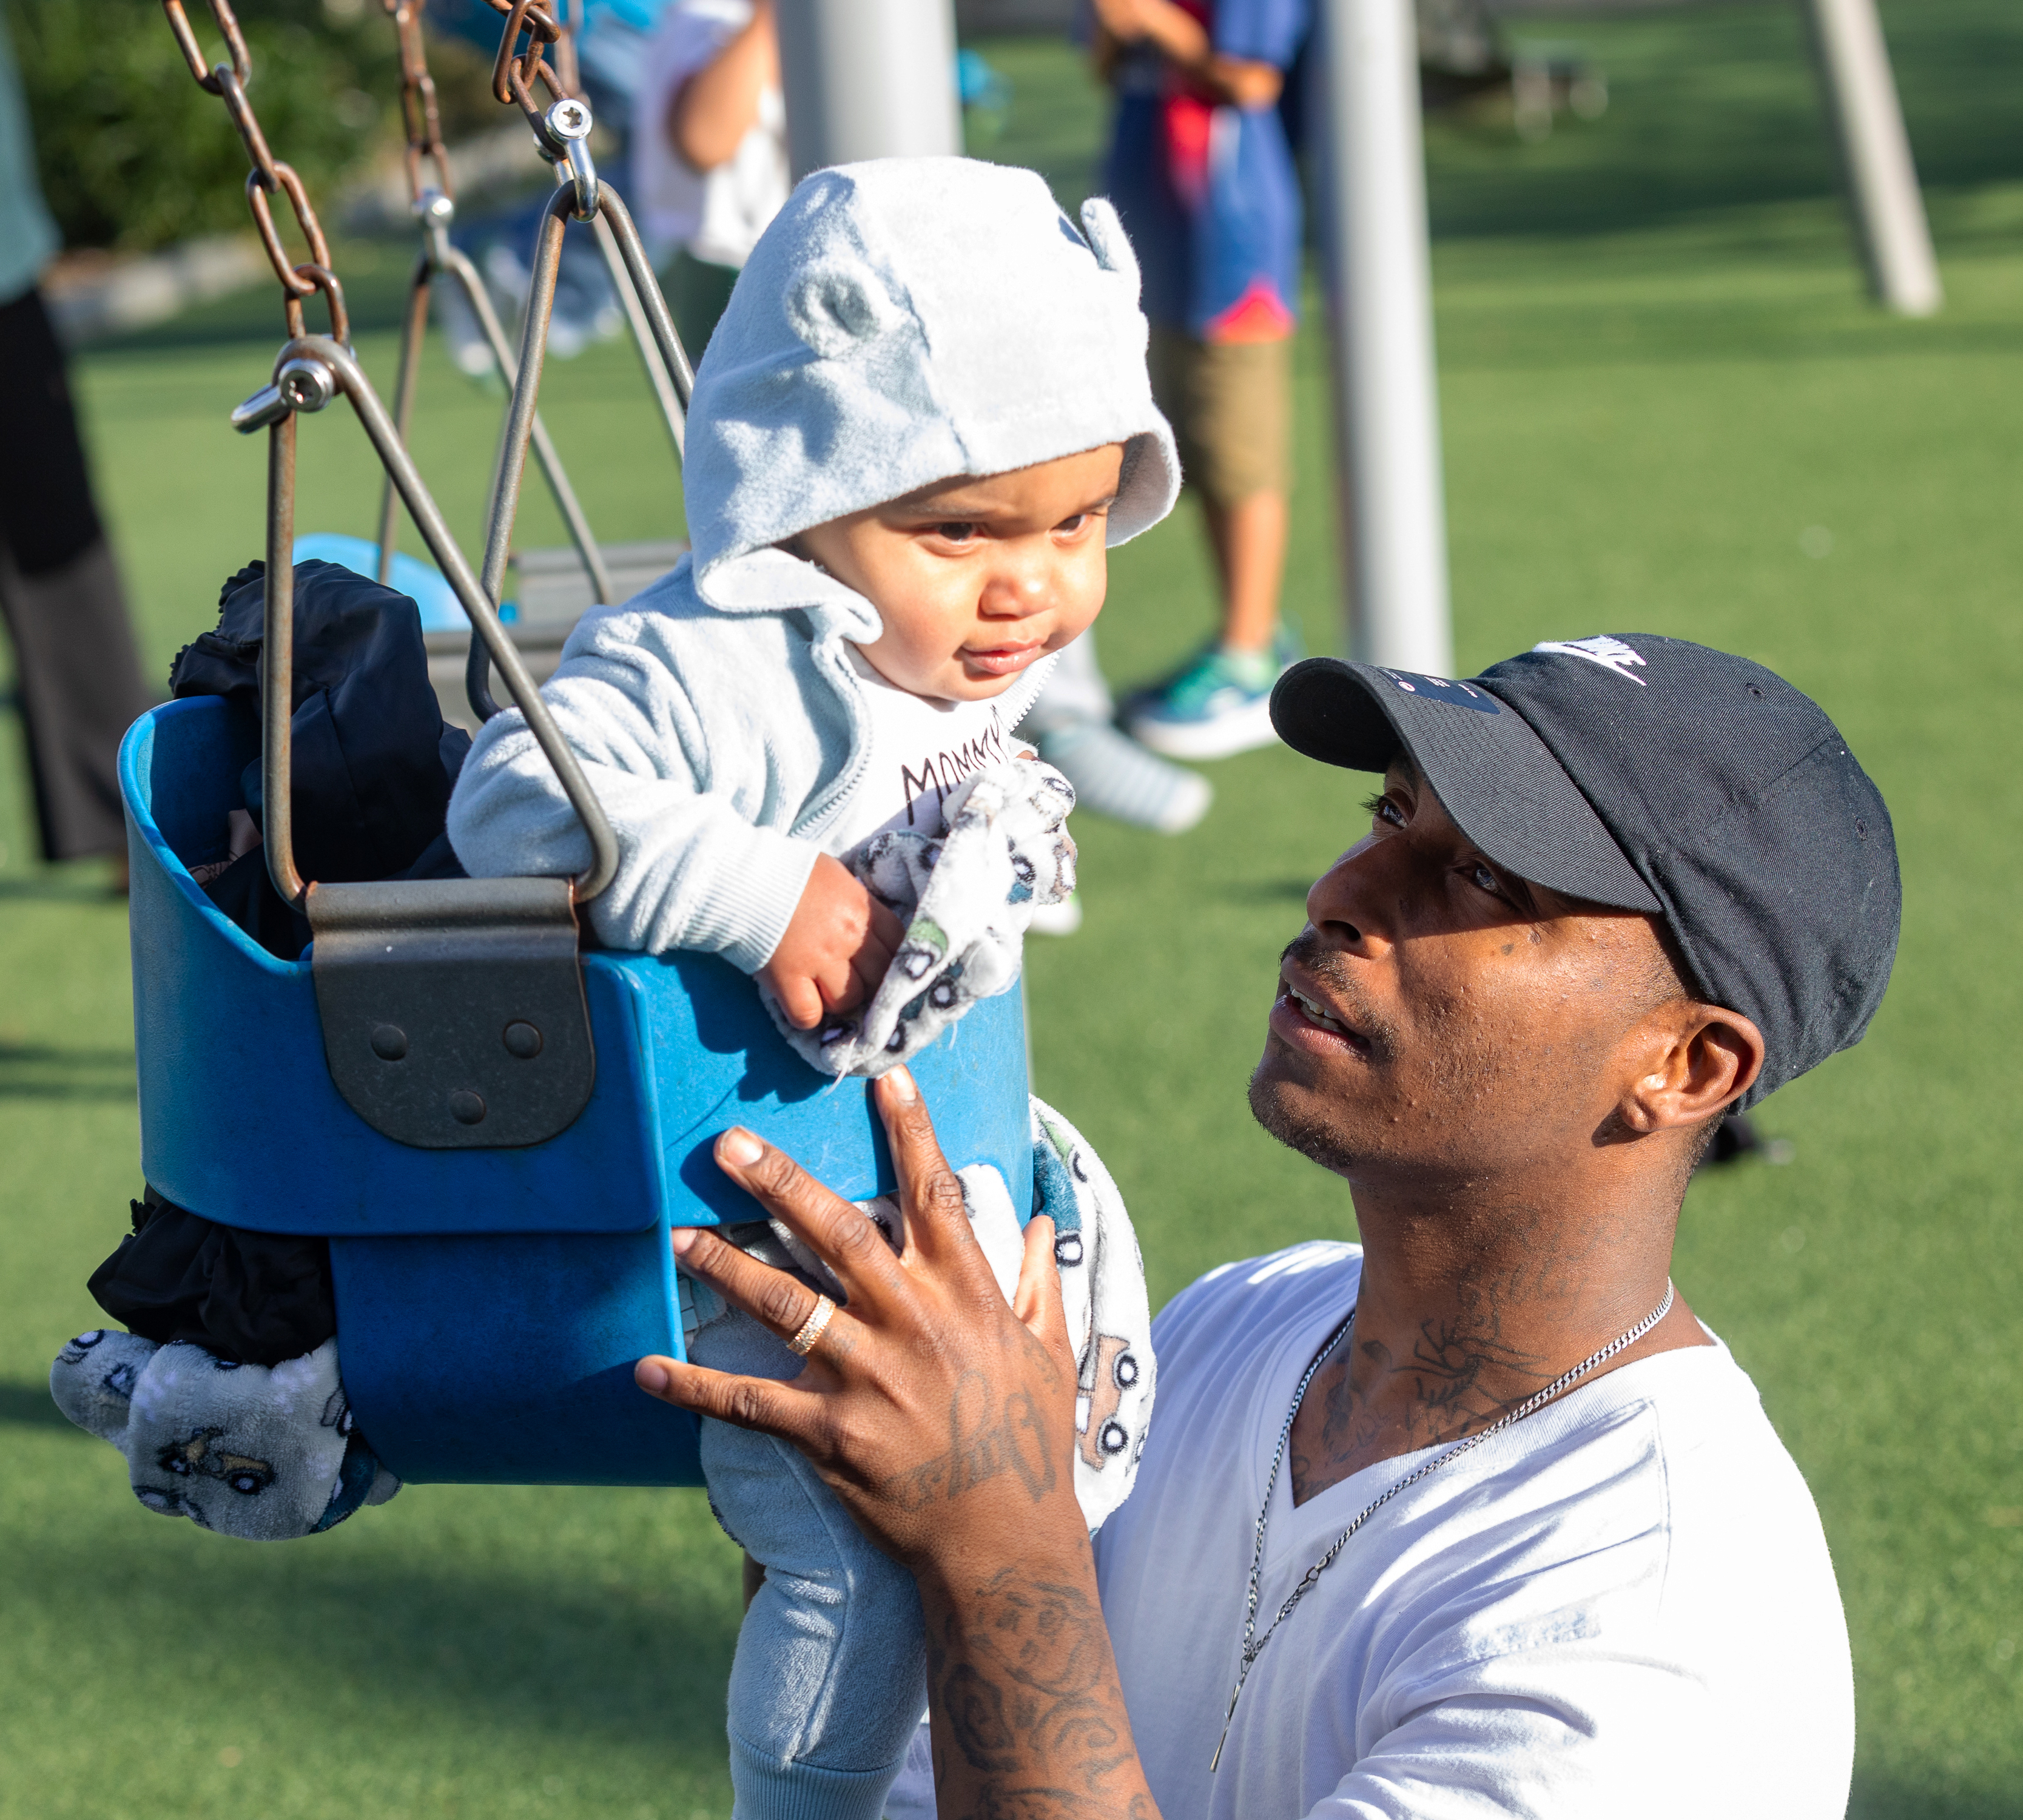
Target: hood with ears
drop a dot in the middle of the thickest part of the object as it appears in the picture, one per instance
(901, 322)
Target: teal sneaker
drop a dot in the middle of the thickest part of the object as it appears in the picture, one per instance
(1219, 704)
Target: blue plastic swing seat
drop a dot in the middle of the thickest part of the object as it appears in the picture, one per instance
(491, 1303)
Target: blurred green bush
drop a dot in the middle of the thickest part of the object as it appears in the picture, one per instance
(133, 154)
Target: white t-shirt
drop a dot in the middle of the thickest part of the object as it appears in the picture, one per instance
(920, 751)
(717, 214)
(1621, 1608)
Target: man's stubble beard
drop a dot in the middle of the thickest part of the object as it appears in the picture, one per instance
(1460, 1086)
(1312, 1135)
(1312, 1138)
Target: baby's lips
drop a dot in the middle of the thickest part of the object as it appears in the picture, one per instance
(1005, 660)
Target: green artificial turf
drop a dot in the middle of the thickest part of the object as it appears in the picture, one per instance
(1666, 408)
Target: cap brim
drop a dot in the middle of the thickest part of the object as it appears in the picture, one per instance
(1492, 775)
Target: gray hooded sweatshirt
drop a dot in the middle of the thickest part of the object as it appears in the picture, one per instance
(901, 322)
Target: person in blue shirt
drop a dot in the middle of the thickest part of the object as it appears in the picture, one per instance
(1202, 172)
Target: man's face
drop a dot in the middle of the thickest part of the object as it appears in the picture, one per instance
(1439, 1014)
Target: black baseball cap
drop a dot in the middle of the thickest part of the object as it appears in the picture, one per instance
(1650, 774)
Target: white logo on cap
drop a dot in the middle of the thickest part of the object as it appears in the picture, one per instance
(1611, 653)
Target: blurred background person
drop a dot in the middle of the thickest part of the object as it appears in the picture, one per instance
(77, 674)
(709, 150)
(709, 171)
(1201, 171)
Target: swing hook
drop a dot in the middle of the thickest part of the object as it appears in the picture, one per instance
(299, 385)
(436, 210)
(567, 124)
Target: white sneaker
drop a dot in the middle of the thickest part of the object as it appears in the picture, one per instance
(1057, 919)
(1115, 776)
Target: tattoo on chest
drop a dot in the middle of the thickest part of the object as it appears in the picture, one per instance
(1459, 1376)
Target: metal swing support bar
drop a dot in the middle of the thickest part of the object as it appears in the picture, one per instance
(309, 372)
(439, 258)
(670, 389)
(311, 369)
(564, 77)
(580, 195)
(562, 134)
(670, 379)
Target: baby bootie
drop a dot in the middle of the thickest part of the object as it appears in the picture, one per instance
(263, 1452)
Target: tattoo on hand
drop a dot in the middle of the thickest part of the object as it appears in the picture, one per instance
(982, 1445)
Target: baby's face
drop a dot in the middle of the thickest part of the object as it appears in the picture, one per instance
(977, 579)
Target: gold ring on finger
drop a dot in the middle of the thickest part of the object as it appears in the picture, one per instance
(813, 1327)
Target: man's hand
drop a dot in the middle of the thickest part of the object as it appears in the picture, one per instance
(943, 1417)
(944, 1420)
(837, 948)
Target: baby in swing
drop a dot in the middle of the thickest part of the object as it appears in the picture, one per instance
(922, 420)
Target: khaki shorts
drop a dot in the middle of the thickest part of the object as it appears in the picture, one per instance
(1230, 404)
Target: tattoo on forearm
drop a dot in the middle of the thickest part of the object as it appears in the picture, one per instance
(1025, 1684)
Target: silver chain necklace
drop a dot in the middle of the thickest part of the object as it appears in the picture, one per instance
(1253, 1644)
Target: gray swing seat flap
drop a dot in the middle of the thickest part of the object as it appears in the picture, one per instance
(453, 1011)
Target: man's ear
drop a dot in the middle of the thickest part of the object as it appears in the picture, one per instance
(1690, 1061)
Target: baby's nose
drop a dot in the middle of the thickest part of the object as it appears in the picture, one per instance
(1018, 587)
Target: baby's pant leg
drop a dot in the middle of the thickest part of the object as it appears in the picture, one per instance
(830, 1678)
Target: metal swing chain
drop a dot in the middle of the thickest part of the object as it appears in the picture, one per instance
(434, 207)
(419, 114)
(514, 71)
(309, 372)
(268, 176)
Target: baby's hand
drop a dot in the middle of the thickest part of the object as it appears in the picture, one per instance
(837, 948)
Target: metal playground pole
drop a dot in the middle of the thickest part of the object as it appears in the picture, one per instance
(868, 79)
(1888, 212)
(1372, 206)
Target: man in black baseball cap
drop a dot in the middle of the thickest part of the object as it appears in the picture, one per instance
(1647, 773)
(1473, 1517)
